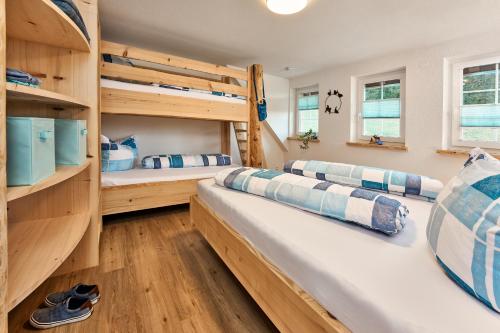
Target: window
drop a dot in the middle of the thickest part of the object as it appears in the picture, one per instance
(476, 116)
(307, 109)
(381, 105)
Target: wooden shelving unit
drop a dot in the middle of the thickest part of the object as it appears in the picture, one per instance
(62, 174)
(41, 21)
(54, 225)
(24, 93)
(37, 248)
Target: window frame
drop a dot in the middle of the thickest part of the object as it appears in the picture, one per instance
(394, 75)
(457, 98)
(310, 88)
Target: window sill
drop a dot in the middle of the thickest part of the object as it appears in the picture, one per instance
(297, 139)
(462, 153)
(387, 145)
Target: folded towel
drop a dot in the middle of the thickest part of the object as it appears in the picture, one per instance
(389, 181)
(366, 208)
(185, 161)
(19, 77)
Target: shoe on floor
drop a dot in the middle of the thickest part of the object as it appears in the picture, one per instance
(72, 310)
(82, 290)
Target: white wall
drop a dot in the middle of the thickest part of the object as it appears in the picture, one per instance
(426, 119)
(157, 135)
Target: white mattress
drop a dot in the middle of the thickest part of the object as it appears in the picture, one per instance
(371, 282)
(140, 176)
(105, 83)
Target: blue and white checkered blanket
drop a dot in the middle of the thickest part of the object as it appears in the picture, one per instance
(390, 181)
(366, 208)
(464, 228)
(185, 161)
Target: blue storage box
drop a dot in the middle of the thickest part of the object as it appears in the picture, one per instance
(71, 141)
(30, 150)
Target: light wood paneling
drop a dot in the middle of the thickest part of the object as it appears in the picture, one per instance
(156, 275)
(123, 72)
(37, 248)
(117, 101)
(24, 93)
(289, 307)
(170, 60)
(41, 21)
(3, 180)
(119, 199)
(62, 174)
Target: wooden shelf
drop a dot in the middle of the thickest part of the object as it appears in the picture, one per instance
(37, 248)
(462, 153)
(388, 146)
(25, 93)
(293, 138)
(62, 173)
(41, 21)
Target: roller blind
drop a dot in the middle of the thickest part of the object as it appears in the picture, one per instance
(308, 101)
(480, 97)
(382, 100)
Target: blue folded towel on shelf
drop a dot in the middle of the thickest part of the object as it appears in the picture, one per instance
(20, 77)
(70, 9)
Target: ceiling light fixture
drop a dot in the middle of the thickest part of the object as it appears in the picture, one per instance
(286, 7)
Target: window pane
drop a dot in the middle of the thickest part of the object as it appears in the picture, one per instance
(392, 89)
(485, 97)
(479, 78)
(373, 91)
(381, 127)
(308, 120)
(480, 134)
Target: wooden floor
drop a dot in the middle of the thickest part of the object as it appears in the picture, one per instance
(157, 274)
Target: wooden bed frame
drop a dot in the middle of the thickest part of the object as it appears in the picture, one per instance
(121, 199)
(289, 307)
(172, 70)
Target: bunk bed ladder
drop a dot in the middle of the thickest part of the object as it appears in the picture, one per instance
(241, 133)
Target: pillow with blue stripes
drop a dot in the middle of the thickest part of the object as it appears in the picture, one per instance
(118, 155)
(464, 230)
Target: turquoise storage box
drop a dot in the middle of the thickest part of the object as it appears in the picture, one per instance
(71, 141)
(30, 150)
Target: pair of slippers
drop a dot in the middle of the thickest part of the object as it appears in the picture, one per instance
(70, 306)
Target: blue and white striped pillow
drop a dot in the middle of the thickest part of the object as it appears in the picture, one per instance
(118, 155)
(464, 228)
(185, 161)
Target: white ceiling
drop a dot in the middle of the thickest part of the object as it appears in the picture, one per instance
(326, 33)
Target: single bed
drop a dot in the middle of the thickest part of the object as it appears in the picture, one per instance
(370, 282)
(138, 189)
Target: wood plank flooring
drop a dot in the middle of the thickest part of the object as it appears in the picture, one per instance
(157, 274)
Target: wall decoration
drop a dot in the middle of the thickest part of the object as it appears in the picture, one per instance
(338, 106)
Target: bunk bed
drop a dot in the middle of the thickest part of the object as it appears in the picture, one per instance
(154, 84)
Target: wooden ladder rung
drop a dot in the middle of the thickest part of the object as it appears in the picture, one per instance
(239, 130)
(241, 140)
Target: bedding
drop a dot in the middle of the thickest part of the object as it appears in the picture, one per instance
(366, 208)
(118, 155)
(142, 176)
(370, 282)
(464, 229)
(171, 90)
(389, 181)
(185, 161)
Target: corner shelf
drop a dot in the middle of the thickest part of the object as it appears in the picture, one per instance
(37, 248)
(62, 173)
(25, 93)
(41, 21)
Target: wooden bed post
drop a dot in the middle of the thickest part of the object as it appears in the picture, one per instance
(254, 146)
(225, 131)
